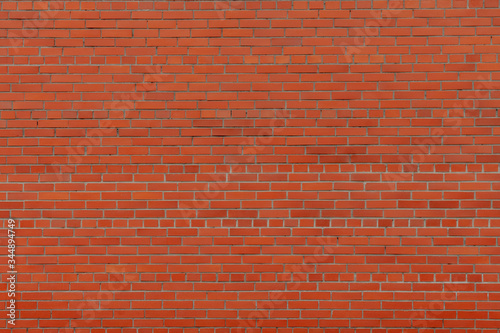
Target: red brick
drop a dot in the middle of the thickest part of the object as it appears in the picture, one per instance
(305, 166)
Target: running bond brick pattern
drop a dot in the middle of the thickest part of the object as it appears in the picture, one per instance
(258, 166)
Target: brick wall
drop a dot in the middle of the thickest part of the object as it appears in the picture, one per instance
(274, 166)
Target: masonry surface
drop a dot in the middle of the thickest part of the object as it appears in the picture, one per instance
(258, 166)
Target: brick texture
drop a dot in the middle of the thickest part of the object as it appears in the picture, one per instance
(258, 166)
